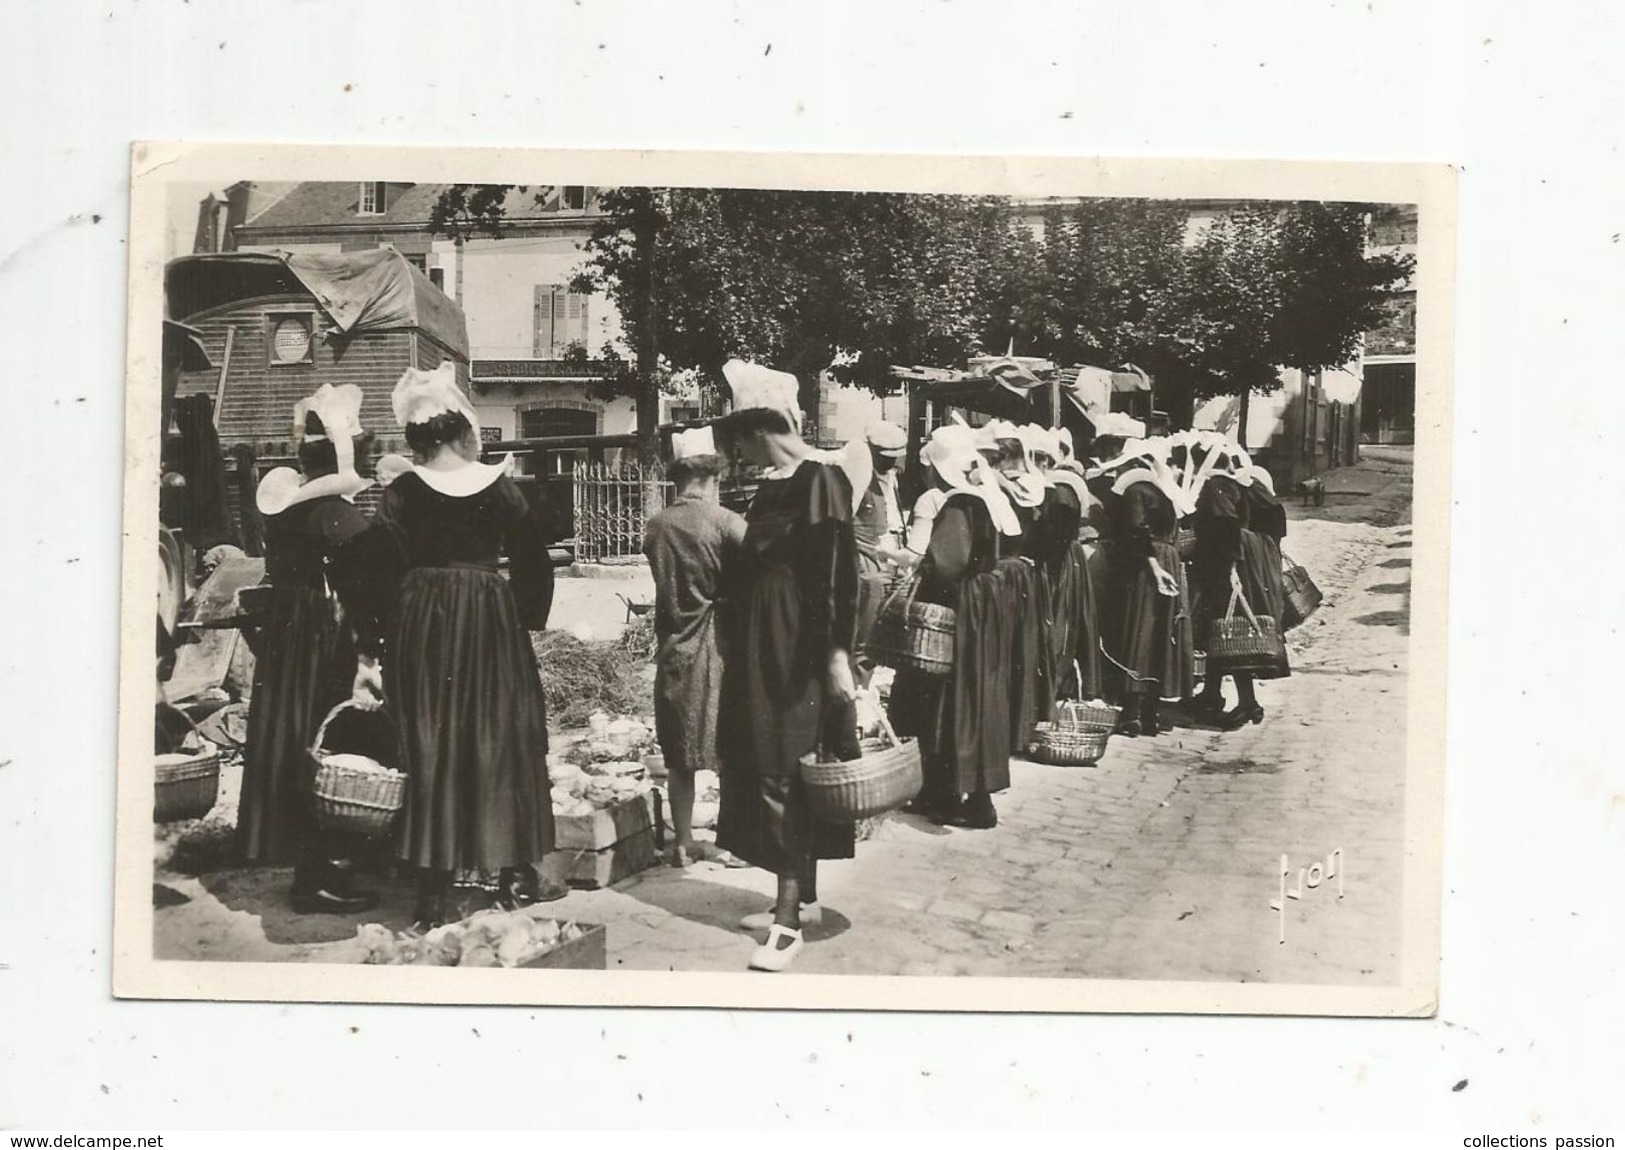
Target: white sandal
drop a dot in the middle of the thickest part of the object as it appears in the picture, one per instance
(811, 915)
(772, 957)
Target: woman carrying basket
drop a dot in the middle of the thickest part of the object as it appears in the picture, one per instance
(1148, 642)
(453, 635)
(788, 633)
(1026, 585)
(962, 720)
(1237, 559)
(307, 660)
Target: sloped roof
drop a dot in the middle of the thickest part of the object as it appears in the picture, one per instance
(376, 290)
(327, 203)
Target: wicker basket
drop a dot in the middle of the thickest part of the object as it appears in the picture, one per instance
(882, 779)
(186, 787)
(1069, 746)
(919, 636)
(350, 800)
(1199, 664)
(1076, 713)
(1248, 644)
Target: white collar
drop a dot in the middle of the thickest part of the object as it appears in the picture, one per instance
(282, 488)
(469, 479)
(1146, 475)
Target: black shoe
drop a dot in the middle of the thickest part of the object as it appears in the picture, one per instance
(1240, 717)
(513, 892)
(324, 901)
(431, 909)
(975, 813)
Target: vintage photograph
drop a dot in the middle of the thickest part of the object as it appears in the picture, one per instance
(792, 582)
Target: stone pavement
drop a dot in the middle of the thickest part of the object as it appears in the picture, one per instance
(1162, 861)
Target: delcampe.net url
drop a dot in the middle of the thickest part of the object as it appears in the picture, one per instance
(87, 1141)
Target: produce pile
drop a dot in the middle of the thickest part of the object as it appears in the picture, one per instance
(489, 938)
(603, 770)
(579, 679)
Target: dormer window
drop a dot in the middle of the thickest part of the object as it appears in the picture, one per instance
(574, 198)
(372, 200)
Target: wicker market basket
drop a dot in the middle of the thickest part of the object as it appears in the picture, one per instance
(1095, 715)
(354, 795)
(1248, 643)
(886, 776)
(910, 634)
(1069, 746)
(187, 785)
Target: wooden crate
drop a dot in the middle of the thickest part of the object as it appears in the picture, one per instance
(602, 829)
(589, 952)
(594, 870)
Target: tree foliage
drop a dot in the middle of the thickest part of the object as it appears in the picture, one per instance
(853, 282)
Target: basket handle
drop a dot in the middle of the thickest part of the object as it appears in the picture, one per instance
(321, 731)
(911, 584)
(1237, 598)
(1077, 677)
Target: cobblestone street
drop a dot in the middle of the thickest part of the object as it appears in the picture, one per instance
(1162, 861)
(1159, 863)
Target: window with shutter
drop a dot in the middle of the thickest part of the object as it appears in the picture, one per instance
(371, 201)
(543, 321)
(560, 320)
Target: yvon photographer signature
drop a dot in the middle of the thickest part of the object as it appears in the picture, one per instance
(1310, 877)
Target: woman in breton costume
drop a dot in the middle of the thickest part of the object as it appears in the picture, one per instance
(788, 631)
(1026, 586)
(1074, 630)
(1148, 641)
(454, 636)
(962, 720)
(307, 661)
(1237, 552)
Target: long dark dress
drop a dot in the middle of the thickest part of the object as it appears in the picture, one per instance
(305, 666)
(1149, 636)
(961, 720)
(791, 601)
(1025, 594)
(1261, 555)
(1073, 632)
(460, 675)
(1226, 541)
(688, 545)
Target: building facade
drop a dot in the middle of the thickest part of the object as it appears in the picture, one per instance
(533, 340)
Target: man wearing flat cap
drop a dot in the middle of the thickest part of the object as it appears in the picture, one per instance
(878, 528)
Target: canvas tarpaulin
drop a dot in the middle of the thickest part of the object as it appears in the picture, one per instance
(377, 290)
(380, 291)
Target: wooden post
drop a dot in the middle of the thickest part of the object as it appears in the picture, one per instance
(225, 367)
(916, 434)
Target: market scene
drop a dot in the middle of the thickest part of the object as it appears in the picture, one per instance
(840, 583)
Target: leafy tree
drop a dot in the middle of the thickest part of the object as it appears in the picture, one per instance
(1212, 310)
(846, 282)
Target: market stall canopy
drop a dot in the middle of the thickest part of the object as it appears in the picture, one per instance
(370, 291)
(1092, 388)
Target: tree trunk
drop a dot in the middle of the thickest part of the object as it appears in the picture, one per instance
(644, 237)
(647, 351)
(1241, 418)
